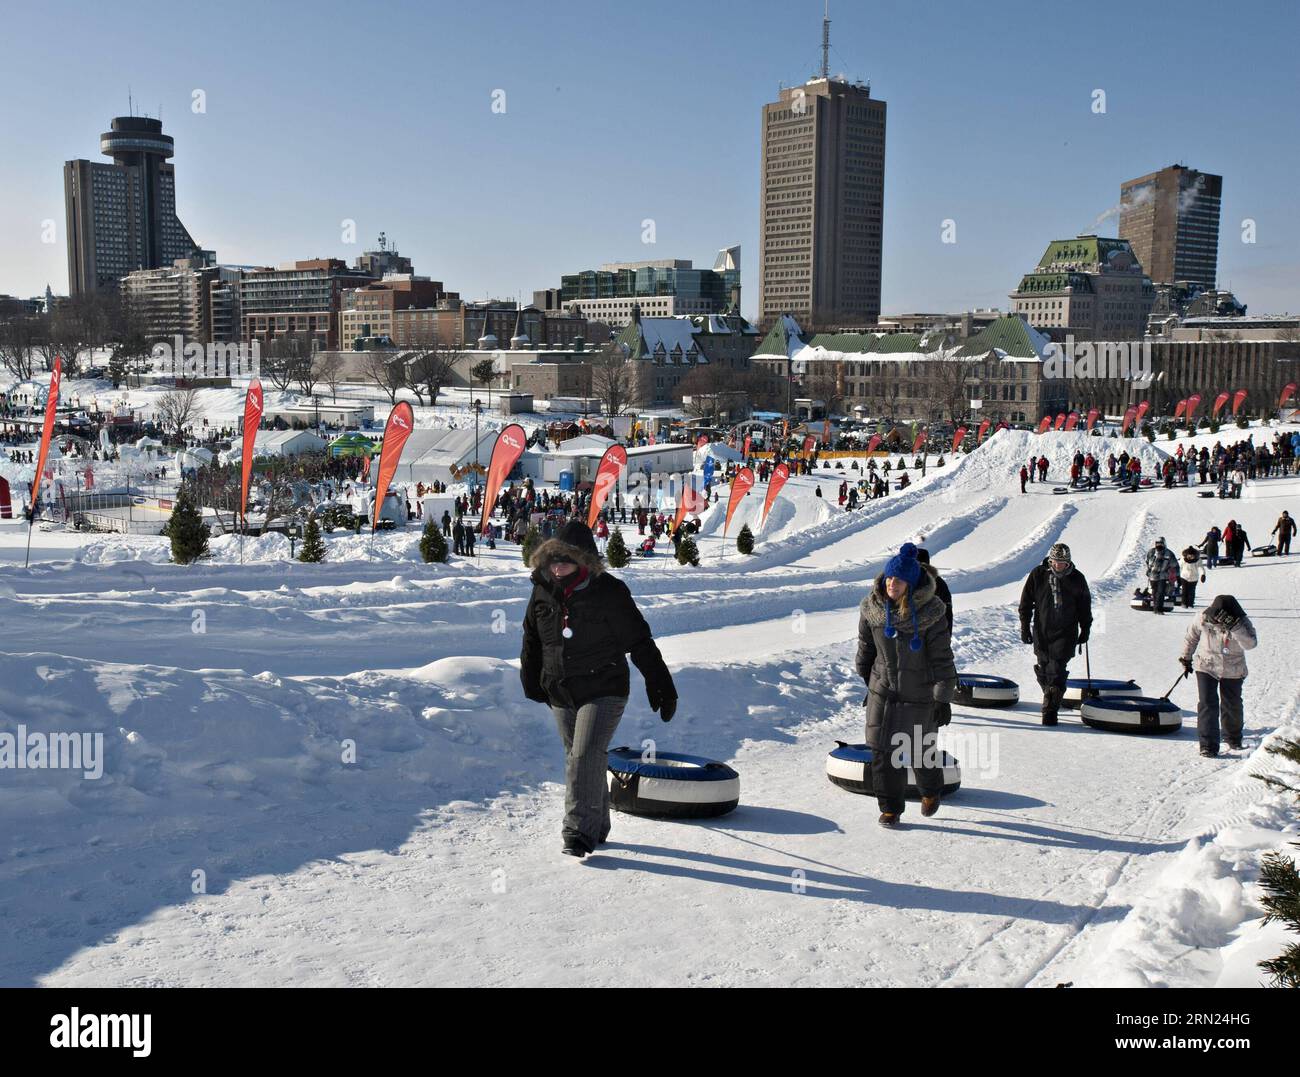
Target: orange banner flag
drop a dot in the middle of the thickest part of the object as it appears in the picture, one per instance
(740, 486)
(51, 407)
(400, 423)
(779, 474)
(509, 448)
(252, 420)
(612, 465)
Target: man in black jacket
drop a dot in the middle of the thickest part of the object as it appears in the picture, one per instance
(1057, 601)
(579, 625)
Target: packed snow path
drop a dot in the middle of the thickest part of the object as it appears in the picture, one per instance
(225, 693)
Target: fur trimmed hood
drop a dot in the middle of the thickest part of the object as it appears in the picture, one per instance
(554, 547)
(926, 602)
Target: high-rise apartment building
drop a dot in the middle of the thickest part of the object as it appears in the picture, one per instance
(1171, 218)
(122, 216)
(821, 203)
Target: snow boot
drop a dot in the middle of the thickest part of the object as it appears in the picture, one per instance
(1234, 745)
(889, 820)
(575, 847)
(929, 805)
(1206, 753)
(1051, 705)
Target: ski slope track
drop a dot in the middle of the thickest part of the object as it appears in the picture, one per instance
(228, 841)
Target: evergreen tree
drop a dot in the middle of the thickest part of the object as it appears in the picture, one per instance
(745, 540)
(616, 550)
(532, 539)
(186, 529)
(313, 545)
(433, 544)
(687, 552)
(1281, 884)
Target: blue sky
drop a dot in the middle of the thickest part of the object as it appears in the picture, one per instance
(618, 112)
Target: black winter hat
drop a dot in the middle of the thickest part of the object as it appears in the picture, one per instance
(1226, 604)
(576, 533)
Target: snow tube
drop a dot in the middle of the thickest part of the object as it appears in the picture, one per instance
(1077, 689)
(986, 690)
(1206, 493)
(673, 786)
(1134, 714)
(849, 767)
(1059, 490)
(1143, 602)
(1264, 551)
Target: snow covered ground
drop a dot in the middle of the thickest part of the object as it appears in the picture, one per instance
(229, 696)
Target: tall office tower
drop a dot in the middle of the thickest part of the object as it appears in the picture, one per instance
(122, 216)
(820, 202)
(1171, 218)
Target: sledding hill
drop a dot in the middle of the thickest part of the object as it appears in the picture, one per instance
(227, 698)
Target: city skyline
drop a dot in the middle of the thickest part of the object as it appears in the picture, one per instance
(570, 172)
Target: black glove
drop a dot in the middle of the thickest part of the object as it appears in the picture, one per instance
(1202, 577)
(1187, 664)
(1080, 650)
(1228, 621)
(1025, 635)
(942, 713)
(667, 708)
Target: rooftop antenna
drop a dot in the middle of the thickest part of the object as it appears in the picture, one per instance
(130, 103)
(826, 41)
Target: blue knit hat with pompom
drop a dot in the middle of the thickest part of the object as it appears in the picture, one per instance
(904, 566)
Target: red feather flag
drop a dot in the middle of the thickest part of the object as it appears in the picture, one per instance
(398, 428)
(1072, 420)
(957, 437)
(611, 466)
(740, 486)
(509, 447)
(1047, 421)
(779, 474)
(1288, 391)
(1093, 415)
(252, 420)
(1237, 400)
(984, 427)
(51, 408)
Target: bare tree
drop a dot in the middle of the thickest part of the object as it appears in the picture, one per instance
(948, 381)
(22, 342)
(385, 370)
(329, 369)
(426, 370)
(177, 409)
(612, 378)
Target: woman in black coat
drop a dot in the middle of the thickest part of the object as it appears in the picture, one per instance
(579, 625)
(905, 656)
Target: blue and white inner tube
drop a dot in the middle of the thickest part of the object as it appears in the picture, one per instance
(669, 785)
(849, 767)
(986, 690)
(1132, 714)
(1077, 689)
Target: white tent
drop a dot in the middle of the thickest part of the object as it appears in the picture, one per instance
(429, 455)
(277, 443)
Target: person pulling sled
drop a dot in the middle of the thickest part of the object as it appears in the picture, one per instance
(1055, 619)
(579, 625)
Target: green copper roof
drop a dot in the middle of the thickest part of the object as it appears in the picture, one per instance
(777, 341)
(1091, 249)
(1040, 283)
(1009, 334)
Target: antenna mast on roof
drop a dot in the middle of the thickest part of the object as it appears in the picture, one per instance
(826, 41)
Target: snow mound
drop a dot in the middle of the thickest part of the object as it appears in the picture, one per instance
(1005, 452)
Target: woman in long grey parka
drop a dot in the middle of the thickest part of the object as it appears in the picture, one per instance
(905, 656)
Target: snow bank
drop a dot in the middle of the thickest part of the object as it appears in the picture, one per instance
(1198, 924)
